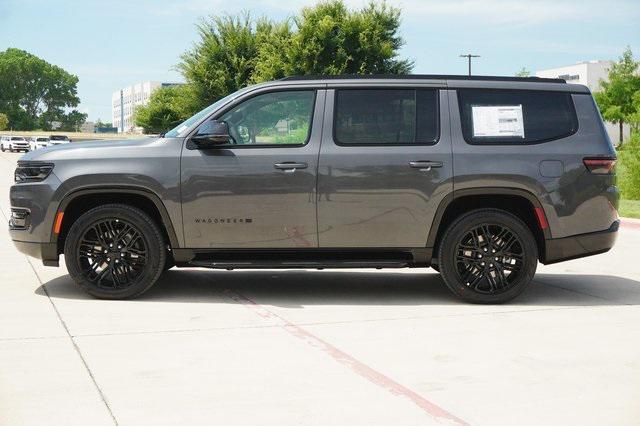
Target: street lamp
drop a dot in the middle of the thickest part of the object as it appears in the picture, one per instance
(469, 56)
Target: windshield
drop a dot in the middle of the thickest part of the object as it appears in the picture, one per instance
(180, 128)
(17, 138)
(59, 138)
(42, 139)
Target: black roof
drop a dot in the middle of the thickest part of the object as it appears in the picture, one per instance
(424, 77)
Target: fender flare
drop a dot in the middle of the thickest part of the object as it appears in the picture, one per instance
(459, 193)
(151, 196)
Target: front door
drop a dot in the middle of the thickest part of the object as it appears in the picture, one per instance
(385, 165)
(258, 191)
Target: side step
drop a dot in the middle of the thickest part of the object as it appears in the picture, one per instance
(299, 264)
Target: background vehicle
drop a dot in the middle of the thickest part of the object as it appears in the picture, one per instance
(14, 143)
(37, 142)
(58, 139)
(479, 178)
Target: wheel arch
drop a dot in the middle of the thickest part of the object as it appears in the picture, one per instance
(519, 202)
(78, 202)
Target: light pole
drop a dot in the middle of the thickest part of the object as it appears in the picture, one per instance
(469, 56)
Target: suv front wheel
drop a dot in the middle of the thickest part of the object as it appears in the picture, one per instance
(487, 256)
(115, 251)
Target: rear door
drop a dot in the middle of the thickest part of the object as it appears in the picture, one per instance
(258, 192)
(385, 165)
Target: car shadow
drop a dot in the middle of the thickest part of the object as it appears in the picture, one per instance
(297, 288)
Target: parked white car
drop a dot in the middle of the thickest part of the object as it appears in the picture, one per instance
(37, 142)
(58, 139)
(14, 143)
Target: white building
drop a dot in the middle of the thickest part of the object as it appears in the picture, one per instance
(126, 100)
(588, 73)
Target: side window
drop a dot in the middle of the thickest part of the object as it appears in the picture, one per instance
(515, 116)
(386, 116)
(275, 118)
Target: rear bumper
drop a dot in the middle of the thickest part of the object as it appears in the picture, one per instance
(576, 246)
(48, 252)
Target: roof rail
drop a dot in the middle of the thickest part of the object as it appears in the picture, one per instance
(423, 77)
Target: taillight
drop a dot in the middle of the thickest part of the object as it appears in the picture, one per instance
(600, 166)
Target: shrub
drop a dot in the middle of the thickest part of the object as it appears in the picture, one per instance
(628, 169)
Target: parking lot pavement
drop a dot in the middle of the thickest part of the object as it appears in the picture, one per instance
(320, 347)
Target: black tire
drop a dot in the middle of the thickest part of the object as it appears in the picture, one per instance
(111, 263)
(510, 256)
(2, 148)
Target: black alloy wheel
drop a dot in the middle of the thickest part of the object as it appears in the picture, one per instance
(487, 256)
(112, 254)
(115, 251)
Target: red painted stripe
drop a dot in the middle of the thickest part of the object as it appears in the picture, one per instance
(347, 360)
(629, 224)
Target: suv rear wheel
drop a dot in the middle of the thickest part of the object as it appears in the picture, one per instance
(487, 256)
(115, 251)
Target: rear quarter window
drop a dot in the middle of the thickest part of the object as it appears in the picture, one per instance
(515, 117)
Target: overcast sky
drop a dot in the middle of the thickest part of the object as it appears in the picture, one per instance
(115, 43)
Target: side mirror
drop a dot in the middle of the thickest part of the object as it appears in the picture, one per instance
(211, 134)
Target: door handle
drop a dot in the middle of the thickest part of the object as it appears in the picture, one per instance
(290, 167)
(425, 165)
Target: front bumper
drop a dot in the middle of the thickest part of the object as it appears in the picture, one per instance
(48, 252)
(576, 246)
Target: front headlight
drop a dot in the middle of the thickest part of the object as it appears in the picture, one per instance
(32, 171)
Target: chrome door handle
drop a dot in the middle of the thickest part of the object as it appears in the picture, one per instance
(425, 165)
(290, 167)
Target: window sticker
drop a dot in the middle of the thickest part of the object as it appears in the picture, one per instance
(498, 121)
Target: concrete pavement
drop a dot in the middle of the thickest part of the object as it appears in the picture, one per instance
(320, 347)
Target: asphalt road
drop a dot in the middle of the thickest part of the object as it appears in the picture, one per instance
(328, 347)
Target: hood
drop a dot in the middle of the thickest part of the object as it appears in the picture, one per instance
(90, 149)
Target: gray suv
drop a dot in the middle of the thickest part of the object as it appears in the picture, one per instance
(478, 177)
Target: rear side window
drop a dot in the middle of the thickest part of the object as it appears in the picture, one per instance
(515, 116)
(386, 116)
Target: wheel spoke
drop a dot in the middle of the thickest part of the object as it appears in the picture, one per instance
(112, 254)
(489, 258)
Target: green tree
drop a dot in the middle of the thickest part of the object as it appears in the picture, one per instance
(234, 51)
(616, 99)
(167, 107)
(33, 91)
(329, 39)
(72, 121)
(523, 73)
(4, 121)
(224, 58)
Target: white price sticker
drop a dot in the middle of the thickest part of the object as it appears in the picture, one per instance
(498, 121)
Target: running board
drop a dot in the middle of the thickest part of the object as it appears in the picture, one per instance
(302, 264)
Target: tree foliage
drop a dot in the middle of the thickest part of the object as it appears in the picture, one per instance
(329, 39)
(224, 59)
(34, 93)
(523, 73)
(167, 107)
(4, 121)
(616, 99)
(235, 51)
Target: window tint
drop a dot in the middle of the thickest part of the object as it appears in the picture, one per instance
(515, 116)
(272, 119)
(386, 116)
